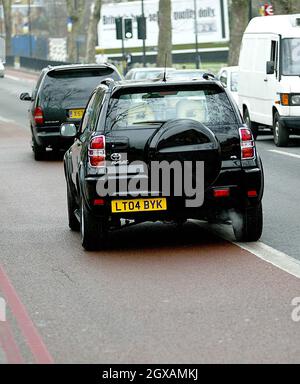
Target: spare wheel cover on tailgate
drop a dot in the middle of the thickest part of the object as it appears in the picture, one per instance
(187, 140)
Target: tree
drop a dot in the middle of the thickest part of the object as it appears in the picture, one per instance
(93, 31)
(282, 7)
(165, 34)
(8, 23)
(295, 6)
(56, 12)
(239, 18)
(76, 13)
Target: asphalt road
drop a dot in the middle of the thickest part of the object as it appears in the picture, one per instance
(158, 294)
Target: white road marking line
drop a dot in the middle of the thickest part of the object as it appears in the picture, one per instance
(14, 78)
(273, 256)
(263, 251)
(4, 120)
(285, 153)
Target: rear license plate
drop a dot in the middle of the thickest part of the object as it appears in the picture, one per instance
(141, 205)
(76, 113)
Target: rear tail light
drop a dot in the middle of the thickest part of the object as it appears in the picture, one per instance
(252, 194)
(99, 202)
(97, 153)
(247, 144)
(38, 116)
(222, 192)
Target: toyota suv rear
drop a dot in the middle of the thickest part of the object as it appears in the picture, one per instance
(168, 151)
(60, 96)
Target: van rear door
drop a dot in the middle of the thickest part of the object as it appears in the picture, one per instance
(257, 90)
(258, 110)
(271, 81)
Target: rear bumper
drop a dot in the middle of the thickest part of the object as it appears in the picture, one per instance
(291, 122)
(238, 181)
(51, 137)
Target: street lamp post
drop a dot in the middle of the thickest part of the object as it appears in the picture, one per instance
(196, 36)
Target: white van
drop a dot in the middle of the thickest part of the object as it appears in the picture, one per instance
(269, 79)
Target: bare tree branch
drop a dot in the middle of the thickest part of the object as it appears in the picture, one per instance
(92, 38)
(165, 34)
(8, 23)
(239, 17)
(76, 12)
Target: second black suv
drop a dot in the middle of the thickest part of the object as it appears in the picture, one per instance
(60, 96)
(143, 148)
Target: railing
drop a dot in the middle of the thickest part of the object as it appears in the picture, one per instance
(31, 63)
(219, 55)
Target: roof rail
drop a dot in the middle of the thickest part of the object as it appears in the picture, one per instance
(208, 76)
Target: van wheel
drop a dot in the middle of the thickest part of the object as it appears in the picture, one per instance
(281, 134)
(38, 151)
(248, 224)
(94, 230)
(250, 124)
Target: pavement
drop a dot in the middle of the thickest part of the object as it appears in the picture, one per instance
(158, 294)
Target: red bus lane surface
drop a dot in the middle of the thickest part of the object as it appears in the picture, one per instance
(30, 334)
(250, 303)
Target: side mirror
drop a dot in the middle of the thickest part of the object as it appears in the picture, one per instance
(68, 130)
(25, 97)
(270, 67)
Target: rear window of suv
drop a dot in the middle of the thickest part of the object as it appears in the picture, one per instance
(208, 105)
(72, 88)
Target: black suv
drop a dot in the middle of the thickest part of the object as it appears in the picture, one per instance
(60, 96)
(130, 130)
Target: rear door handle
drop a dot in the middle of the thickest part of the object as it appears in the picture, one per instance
(265, 80)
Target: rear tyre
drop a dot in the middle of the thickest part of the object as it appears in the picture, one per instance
(94, 230)
(250, 124)
(281, 134)
(248, 224)
(38, 151)
(72, 207)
